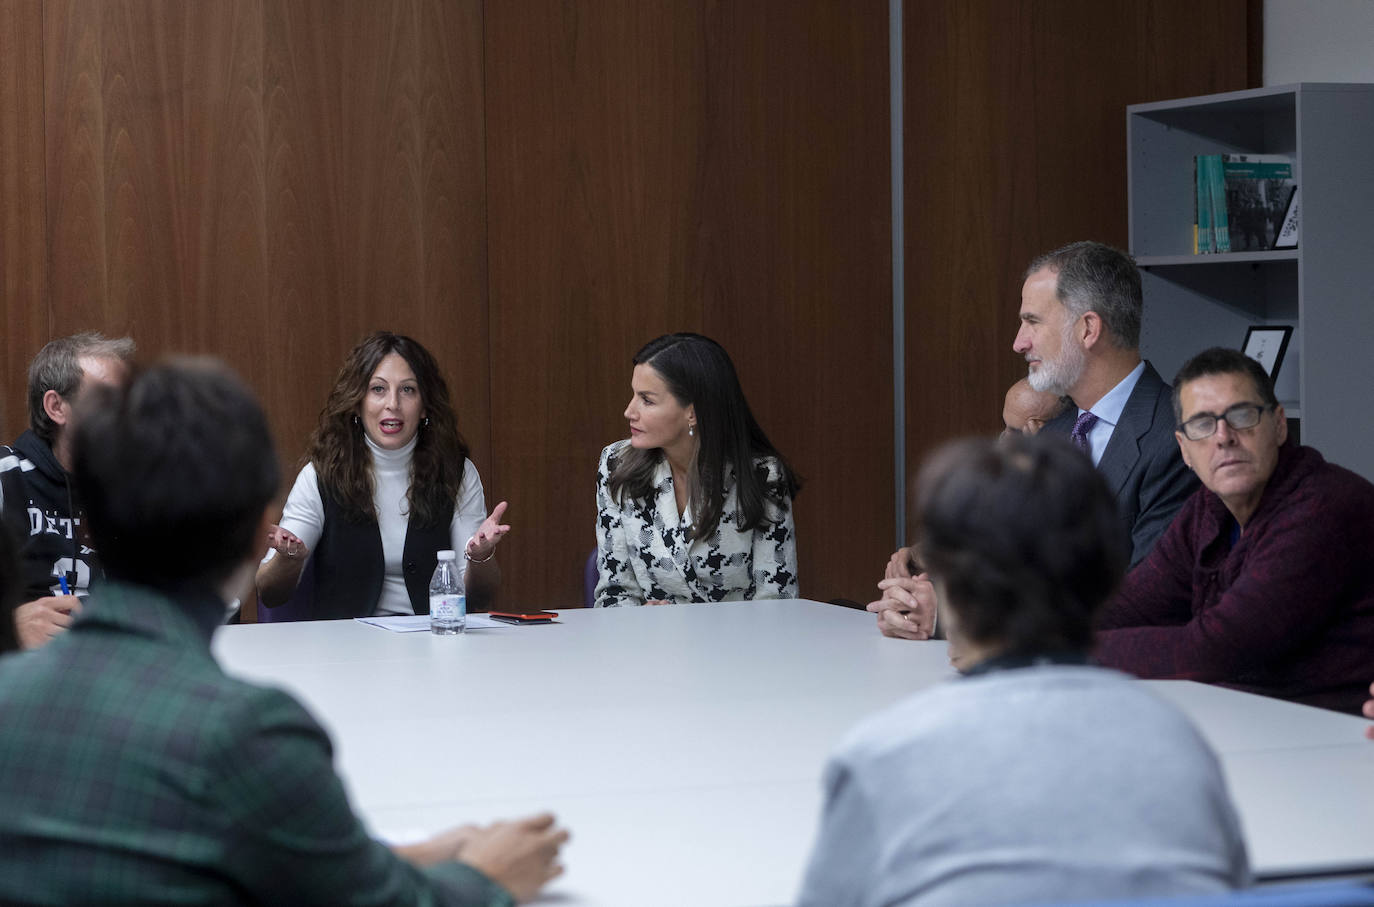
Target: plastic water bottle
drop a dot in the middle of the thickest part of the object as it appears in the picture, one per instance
(448, 608)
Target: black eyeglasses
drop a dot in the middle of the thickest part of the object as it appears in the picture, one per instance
(1239, 417)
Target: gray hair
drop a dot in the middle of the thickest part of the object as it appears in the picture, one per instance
(57, 367)
(1094, 277)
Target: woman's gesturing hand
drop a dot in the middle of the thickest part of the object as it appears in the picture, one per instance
(483, 543)
(285, 543)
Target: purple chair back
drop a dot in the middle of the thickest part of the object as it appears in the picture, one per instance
(590, 575)
(300, 606)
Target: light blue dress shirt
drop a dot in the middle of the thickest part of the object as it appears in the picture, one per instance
(1108, 412)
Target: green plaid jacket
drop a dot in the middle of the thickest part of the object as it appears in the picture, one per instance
(134, 771)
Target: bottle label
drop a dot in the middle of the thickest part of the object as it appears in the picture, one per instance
(448, 607)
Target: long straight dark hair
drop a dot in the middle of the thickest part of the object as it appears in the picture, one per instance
(699, 373)
(340, 454)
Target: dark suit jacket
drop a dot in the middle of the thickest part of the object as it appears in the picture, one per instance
(1142, 464)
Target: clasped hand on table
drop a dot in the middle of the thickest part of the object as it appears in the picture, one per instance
(906, 609)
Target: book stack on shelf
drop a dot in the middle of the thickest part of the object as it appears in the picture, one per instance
(1321, 287)
(1243, 203)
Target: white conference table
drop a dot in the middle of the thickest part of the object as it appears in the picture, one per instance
(683, 746)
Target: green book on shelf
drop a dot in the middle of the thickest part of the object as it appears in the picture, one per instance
(1258, 187)
(1202, 208)
(1221, 228)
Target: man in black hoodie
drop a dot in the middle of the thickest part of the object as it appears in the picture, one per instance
(36, 496)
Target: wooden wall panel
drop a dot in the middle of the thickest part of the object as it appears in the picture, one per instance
(594, 128)
(797, 263)
(1015, 144)
(23, 218)
(268, 182)
(376, 196)
(688, 166)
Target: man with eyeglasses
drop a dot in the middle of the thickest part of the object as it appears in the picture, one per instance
(1263, 581)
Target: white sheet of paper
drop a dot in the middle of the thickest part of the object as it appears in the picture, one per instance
(415, 623)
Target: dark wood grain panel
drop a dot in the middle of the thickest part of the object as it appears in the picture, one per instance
(375, 180)
(23, 218)
(1015, 144)
(688, 166)
(796, 265)
(76, 192)
(593, 131)
(172, 151)
(268, 183)
(155, 172)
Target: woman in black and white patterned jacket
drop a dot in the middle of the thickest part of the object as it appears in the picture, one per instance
(696, 505)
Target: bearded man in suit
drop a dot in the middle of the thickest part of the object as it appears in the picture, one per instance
(1080, 335)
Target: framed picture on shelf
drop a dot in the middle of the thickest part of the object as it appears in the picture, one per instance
(1288, 230)
(1266, 344)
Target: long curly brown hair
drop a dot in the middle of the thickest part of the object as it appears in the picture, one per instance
(339, 452)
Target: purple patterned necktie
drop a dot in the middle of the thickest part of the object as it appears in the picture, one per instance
(1079, 435)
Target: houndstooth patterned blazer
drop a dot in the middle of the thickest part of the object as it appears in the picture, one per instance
(644, 553)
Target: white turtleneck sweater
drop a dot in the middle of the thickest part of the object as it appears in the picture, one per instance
(303, 515)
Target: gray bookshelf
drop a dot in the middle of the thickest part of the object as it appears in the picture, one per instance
(1324, 288)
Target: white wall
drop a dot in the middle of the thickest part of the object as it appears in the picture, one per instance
(1318, 41)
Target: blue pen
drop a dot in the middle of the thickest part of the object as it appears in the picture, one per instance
(62, 581)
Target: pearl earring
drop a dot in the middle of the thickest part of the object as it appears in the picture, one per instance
(691, 431)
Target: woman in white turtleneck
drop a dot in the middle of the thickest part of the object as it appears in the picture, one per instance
(388, 485)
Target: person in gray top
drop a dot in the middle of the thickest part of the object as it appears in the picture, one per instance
(1036, 777)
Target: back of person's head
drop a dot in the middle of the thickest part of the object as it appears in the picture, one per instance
(1026, 410)
(699, 373)
(11, 588)
(175, 472)
(1222, 361)
(339, 452)
(1094, 277)
(1024, 540)
(57, 367)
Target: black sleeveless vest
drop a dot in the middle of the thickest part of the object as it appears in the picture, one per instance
(348, 566)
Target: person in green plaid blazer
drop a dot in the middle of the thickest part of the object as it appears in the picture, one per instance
(132, 769)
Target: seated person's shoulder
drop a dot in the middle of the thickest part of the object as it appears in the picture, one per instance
(611, 453)
(770, 470)
(1342, 487)
(268, 707)
(1316, 485)
(234, 712)
(919, 719)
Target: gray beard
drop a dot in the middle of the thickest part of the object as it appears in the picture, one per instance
(1056, 377)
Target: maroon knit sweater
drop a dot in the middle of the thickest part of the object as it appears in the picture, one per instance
(1288, 611)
